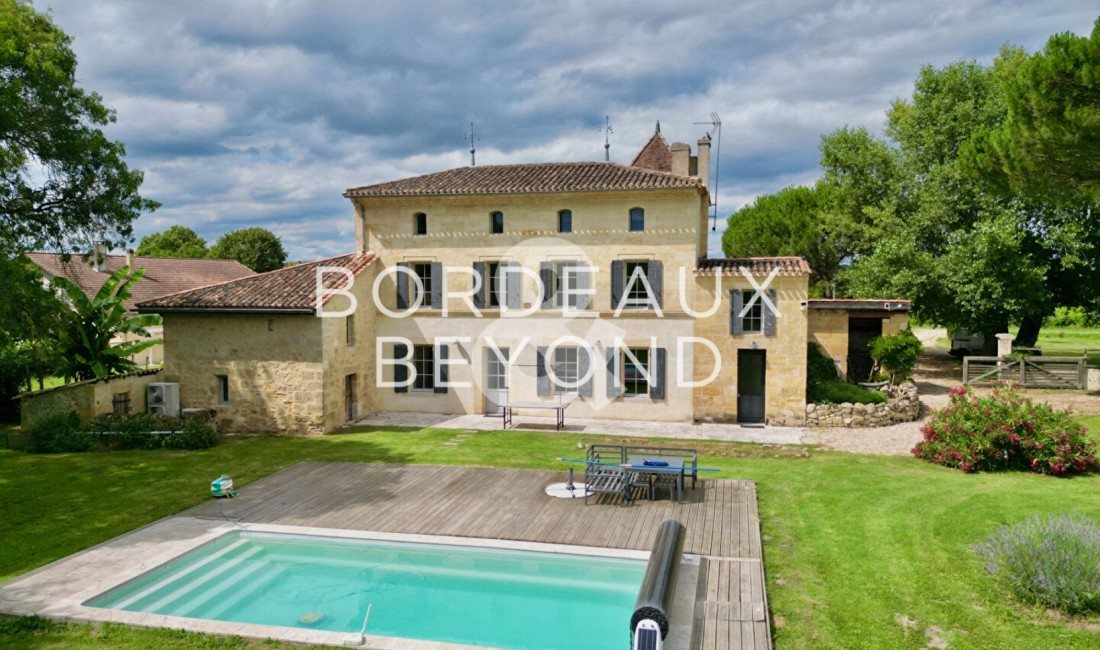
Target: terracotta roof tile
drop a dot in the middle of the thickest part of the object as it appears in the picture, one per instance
(755, 265)
(528, 179)
(655, 155)
(290, 289)
(163, 275)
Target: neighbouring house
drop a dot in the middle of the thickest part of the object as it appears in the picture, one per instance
(163, 275)
(480, 286)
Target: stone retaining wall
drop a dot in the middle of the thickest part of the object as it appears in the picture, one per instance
(903, 405)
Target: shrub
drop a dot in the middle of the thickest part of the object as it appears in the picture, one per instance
(117, 432)
(1054, 562)
(838, 392)
(897, 354)
(1005, 431)
(58, 434)
(196, 434)
(1071, 317)
(819, 367)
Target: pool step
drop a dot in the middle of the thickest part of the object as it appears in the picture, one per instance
(197, 569)
(223, 589)
(179, 590)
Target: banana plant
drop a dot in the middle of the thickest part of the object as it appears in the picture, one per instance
(85, 342)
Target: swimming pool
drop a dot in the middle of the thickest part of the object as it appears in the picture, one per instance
(520, 600)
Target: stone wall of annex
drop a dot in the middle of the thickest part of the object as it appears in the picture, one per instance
(785, 369)
(273, 363)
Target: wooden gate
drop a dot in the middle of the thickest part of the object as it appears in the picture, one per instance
(1029, 372)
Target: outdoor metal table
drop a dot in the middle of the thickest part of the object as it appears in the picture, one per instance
(506, 410)
(675, 466)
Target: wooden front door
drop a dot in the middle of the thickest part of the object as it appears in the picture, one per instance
(751, 368)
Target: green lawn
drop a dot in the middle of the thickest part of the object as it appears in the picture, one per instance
(852, 543)
(1059, 342)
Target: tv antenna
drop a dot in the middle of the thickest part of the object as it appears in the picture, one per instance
(607, 131)
(473, 138)
(715, 123)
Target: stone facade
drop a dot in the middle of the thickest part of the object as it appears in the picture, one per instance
(88, 399)
(785, 352)
(903, 405)
(459, 235)
(273, 365)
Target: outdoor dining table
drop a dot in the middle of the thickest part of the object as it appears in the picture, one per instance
(672, 465)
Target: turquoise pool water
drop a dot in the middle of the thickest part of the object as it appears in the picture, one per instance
(498, 598)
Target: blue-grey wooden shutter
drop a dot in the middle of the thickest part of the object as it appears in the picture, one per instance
(614, 383)
(442, 370)
(400, 371)
(513, 285)
(402, 280)
(437, 285)
(541, 376)
(657, 375)
(769, 315)
(618, 271)
(735, 312)
(583, 272)
(655, 272)
(479, 274)
(546, 274)
(584, 367)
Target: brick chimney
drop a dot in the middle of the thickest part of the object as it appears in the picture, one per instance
(681, 159)
(130, 258)
(703, 166)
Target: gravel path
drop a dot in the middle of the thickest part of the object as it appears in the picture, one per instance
(936, 374)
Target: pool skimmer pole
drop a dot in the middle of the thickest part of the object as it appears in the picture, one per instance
(361, 638)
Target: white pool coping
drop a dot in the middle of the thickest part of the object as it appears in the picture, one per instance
(57, 590)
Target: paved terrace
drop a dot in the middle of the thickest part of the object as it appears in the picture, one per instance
(530, 420)
(723, 524)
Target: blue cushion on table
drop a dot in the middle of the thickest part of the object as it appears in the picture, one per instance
(655, 463)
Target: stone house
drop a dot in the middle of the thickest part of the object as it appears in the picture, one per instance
(472, 287)
(163, 275)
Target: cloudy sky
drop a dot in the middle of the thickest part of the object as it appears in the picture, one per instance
(261, 112)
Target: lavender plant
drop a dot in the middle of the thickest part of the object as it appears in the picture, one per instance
(1054, 562)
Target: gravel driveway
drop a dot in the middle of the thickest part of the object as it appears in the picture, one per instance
(936, 374)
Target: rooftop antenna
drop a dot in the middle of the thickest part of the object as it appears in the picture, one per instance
(716, 124)
(607, 131)
(473, 138)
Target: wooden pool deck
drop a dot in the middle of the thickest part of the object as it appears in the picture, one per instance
(723, 525)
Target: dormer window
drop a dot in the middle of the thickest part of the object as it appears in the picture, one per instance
(421, 220)
(637, 219)
(497, 219)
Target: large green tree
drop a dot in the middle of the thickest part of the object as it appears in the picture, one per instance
(257, 248)
(87, 343)
(177, 241)
(790, 222)
(966, 254)
(63, 183)
(1048, 144)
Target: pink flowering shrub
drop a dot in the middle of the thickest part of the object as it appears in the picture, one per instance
(1005, 431)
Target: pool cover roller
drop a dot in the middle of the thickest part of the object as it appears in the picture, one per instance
(659, 583)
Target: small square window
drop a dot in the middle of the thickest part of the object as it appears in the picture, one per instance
(223, 388)
(565, 221)
(424, 362)
(421, 223)
(637, 219)
(498, 222)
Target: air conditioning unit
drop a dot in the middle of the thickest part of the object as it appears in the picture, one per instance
(163, 399)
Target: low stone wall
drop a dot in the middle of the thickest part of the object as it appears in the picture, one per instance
(903, 405)
(89, 399)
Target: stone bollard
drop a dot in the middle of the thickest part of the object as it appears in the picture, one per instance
(1093, 385)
